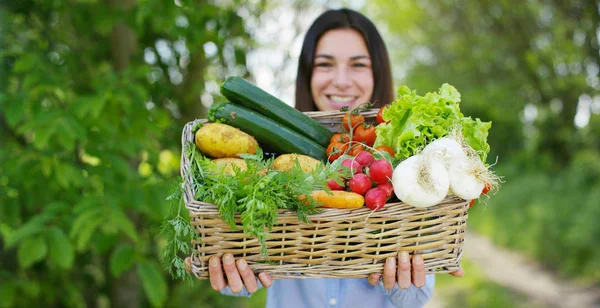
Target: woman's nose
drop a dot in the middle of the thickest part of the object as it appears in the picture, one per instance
(342, 78)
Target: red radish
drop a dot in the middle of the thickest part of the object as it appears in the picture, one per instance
(354, 166)
(387, 187)
(360, 183)
(380, 171)
(364, 158)
(333, 185)
(375, 198)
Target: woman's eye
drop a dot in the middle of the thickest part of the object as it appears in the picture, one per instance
(360, 65)
(324, 64)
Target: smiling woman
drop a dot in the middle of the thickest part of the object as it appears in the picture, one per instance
(343, 62)
(341, 76)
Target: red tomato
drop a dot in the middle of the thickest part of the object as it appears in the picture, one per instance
(365, 133)
(385, 148)
(380, 115)
(340, 137)
(354, 120)
(335, 150)
(356, 149)
(471, 203)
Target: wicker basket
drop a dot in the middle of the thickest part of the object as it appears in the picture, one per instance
(339, 243)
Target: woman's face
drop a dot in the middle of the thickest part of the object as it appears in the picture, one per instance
(342, 73)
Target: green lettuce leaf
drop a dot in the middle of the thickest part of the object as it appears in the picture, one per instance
(415, 121)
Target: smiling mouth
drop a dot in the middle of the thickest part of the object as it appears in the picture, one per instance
(341, 99)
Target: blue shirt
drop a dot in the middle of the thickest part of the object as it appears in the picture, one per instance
(349, 292)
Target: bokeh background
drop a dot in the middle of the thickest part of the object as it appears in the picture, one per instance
(94, 95)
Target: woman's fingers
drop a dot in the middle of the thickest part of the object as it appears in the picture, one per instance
(374, 279)
(265, 279)
(215, 274)
(418, 271)
(404, 274)
(389, 275)
(188, 264)
(247, 276)
(233, 276)
(458, 273)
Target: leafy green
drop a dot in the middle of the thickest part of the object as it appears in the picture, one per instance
(413, 121)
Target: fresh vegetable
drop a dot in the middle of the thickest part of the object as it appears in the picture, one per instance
(385, 148)
(375, 198)
(354, 166)
(340, 137)
(220, 140)
(240, 91)
(364, 158)
(415, 121)
(467, 173)
(359, 183)
(379, 116)
(335, 150)
(352, 119)
(380, 171)
(421, 181)
(386, 187)
(365, 133)
(287, 162)
(356, 149)
(229, 165)
(338, 199)
(447, 149)
(333, 185)
(268, 132)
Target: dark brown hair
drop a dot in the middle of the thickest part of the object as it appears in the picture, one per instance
(383, 92)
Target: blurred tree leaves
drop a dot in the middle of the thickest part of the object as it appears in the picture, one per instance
(92, 93)
(522, 66)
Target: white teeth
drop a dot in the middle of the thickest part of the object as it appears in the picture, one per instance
(342, 99)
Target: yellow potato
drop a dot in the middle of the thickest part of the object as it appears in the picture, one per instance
(219, 140)
(228, 163)
(286, 162)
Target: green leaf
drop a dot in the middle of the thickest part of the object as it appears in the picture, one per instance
(124, 223)
(122, 259)
(7, 293)
(60, 248)
(25, 63)
(153, 282)
(31, 250)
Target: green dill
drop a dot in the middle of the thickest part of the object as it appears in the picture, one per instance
(178, 231)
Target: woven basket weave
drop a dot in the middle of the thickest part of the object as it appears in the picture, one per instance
(338, 243)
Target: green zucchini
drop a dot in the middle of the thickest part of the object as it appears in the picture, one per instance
(267, 132)
(240, 91)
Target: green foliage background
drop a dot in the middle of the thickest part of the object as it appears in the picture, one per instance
(91, 112)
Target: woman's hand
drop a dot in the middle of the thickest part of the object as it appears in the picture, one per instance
(238, 274)
(405, 273)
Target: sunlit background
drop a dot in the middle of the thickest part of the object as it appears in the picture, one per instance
(94, 95)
